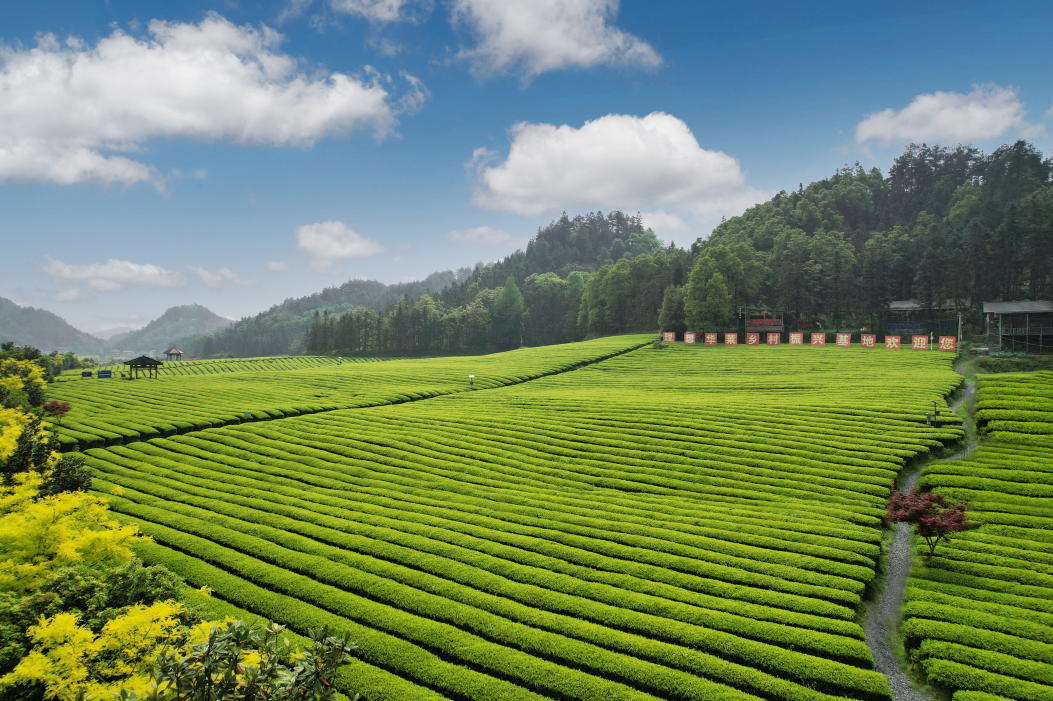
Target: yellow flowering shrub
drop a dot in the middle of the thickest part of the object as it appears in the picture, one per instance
(21, 375)
(41, 535)
(68, 659)
(11, 423)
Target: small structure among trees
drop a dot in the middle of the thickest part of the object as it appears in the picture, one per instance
(146, 363)
(931, 515)
(173, 353)
(1029, 323)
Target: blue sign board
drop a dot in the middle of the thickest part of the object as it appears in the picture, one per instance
(85, 373)
(105, 374)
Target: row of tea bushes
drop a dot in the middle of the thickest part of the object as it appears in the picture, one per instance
(979, 617)
(630, 530)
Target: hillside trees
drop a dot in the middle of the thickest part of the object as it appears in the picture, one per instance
(944, 223)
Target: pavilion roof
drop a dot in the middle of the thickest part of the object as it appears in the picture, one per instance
(143, 361)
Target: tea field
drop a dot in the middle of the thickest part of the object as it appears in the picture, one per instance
(223, 365)
(683, 523)
(980, 613)
(114, 411)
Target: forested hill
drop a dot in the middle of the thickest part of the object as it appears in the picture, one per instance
(280, 329)
(177, 323)
(945, 224)
(942, 224)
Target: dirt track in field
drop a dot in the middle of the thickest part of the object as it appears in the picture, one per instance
(883, 616)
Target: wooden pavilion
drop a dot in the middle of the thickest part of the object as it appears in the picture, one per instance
(147, 363)
(174, 353)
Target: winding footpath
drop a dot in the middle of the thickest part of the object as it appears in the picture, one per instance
(883, 615)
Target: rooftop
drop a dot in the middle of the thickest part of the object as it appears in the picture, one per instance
(1022, 307)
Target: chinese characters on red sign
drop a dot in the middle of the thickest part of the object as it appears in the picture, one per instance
(797, 339)
(892, 342)
(947, 343)
(689, 338)
(844, 340)
(668, 337)
(711, 339)
(818, 339)
(731, 339)
(753, 339)
(774, 339)
(919, 343)
(868, 340)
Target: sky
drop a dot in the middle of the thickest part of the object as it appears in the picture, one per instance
(236, 154)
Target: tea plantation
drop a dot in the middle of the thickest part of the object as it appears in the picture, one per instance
(980, 613)
(682, 523)
(114, 411)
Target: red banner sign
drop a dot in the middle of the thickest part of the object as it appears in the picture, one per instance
(668, 337)
(774, 339)
(753, 339)
(868, 340)
(947, 343)
(844, 340)
(892, 342)
(797, 338)
(711, 339)
(919, 342)
(689, 338)
(818, 339)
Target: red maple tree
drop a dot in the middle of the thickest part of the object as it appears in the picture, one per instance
(931, 515)
(56, 409)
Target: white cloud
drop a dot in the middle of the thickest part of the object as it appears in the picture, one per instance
(114, 275)
(277, 266)
(221, 279)
(1049, 112)
(661, 221)
(331, 241)
(483, 234)
(381, 10)
(546, 35)
(614, 162)
(74, 294)
(988, 112)
(68, 112)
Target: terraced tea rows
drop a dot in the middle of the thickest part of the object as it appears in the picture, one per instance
(980, 613)
(114, 412)
(224, 365)
(646, 527)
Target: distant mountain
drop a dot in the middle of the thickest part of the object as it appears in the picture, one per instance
(44, 330)
(172, 327)
(107, 334)
(280, 329)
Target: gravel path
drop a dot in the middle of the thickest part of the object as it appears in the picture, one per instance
(883, 615)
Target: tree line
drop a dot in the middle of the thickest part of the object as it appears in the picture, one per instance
(942, 224)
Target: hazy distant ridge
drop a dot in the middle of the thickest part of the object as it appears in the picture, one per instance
(42, 329)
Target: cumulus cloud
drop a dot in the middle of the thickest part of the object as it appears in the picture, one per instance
(988, 112)
(617, 161)
(221, 279)
(72, 113)
(546, 35)
(277, 266)
(483, 234)
(331, 241)
(114, 275)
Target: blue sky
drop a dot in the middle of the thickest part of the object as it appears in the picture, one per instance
(235, 154)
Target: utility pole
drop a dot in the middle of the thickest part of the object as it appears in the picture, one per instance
(959, 329)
